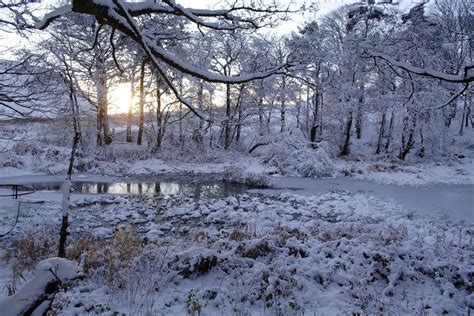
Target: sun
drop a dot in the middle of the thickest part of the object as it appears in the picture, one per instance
(120, 98)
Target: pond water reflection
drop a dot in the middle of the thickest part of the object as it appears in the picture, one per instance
(164, 188)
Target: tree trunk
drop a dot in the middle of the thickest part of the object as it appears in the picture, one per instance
(66, 188)
(468, 115)
(347, 139)
(389, 134)
(298, 114)
(307, 109)
(239, 114)
(314, 125)
(461, 131)
(211, 134)
(103, 137)
(201, 103)
(181, 129)
(282, 117)
(421, 151)
(449, 113)
(130, 113)
(269, 117)
(409, 123)
(63, 235)
(314, 130)
(260, 115)
(159, 116)
(321, 103)
(381, 134)
(141, 121)
(227, 119)
(358, 122)
(283, 106)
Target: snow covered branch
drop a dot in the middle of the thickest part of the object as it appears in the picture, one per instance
(36, 295)
(224, 19)
(120, 16)
(53, 15)
(466, 76)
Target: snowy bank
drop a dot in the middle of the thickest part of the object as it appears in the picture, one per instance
(37, 294)
(338, 252)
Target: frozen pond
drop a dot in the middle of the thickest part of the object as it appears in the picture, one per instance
(199, 187)
(455, 201)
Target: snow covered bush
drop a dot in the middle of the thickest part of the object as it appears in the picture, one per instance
(25, 147)
(11, 161)
(306, 163)
(291, 155)
(237, 174)
(303, 162)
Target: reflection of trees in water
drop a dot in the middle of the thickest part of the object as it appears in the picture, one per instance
(169, 188)
(102, 188)
(196, 189)
(197, 192)
(88, 188)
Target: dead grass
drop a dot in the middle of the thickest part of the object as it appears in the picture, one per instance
(26, 252)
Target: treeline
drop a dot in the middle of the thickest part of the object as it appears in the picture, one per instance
(366, 74)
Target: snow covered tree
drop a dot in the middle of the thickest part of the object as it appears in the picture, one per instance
(126, 16)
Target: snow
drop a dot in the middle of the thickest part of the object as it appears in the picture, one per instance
(442, 200)
(48, 18)
(47, 271)
(409, 175)
(151, 167)
(28, 178)
(463, 77)
(186, 67)
(364, 234)
(15, 172)
(335, 247)
(66, 196)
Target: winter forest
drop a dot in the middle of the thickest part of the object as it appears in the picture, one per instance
(239, 157)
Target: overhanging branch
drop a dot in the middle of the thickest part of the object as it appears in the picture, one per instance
(117, 14)
(465, 77)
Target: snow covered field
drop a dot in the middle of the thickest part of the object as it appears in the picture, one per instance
(332, 251)
(373, 237)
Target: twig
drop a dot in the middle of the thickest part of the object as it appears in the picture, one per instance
(16, 221)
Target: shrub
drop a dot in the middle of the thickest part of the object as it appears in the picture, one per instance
(236, 174)
(304, 162)
(291, 155)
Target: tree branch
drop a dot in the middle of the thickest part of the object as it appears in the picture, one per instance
(467, 75)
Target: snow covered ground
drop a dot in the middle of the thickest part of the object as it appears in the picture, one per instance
(454, 201)
(374, 237)
(333, 251)
(422, 174)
